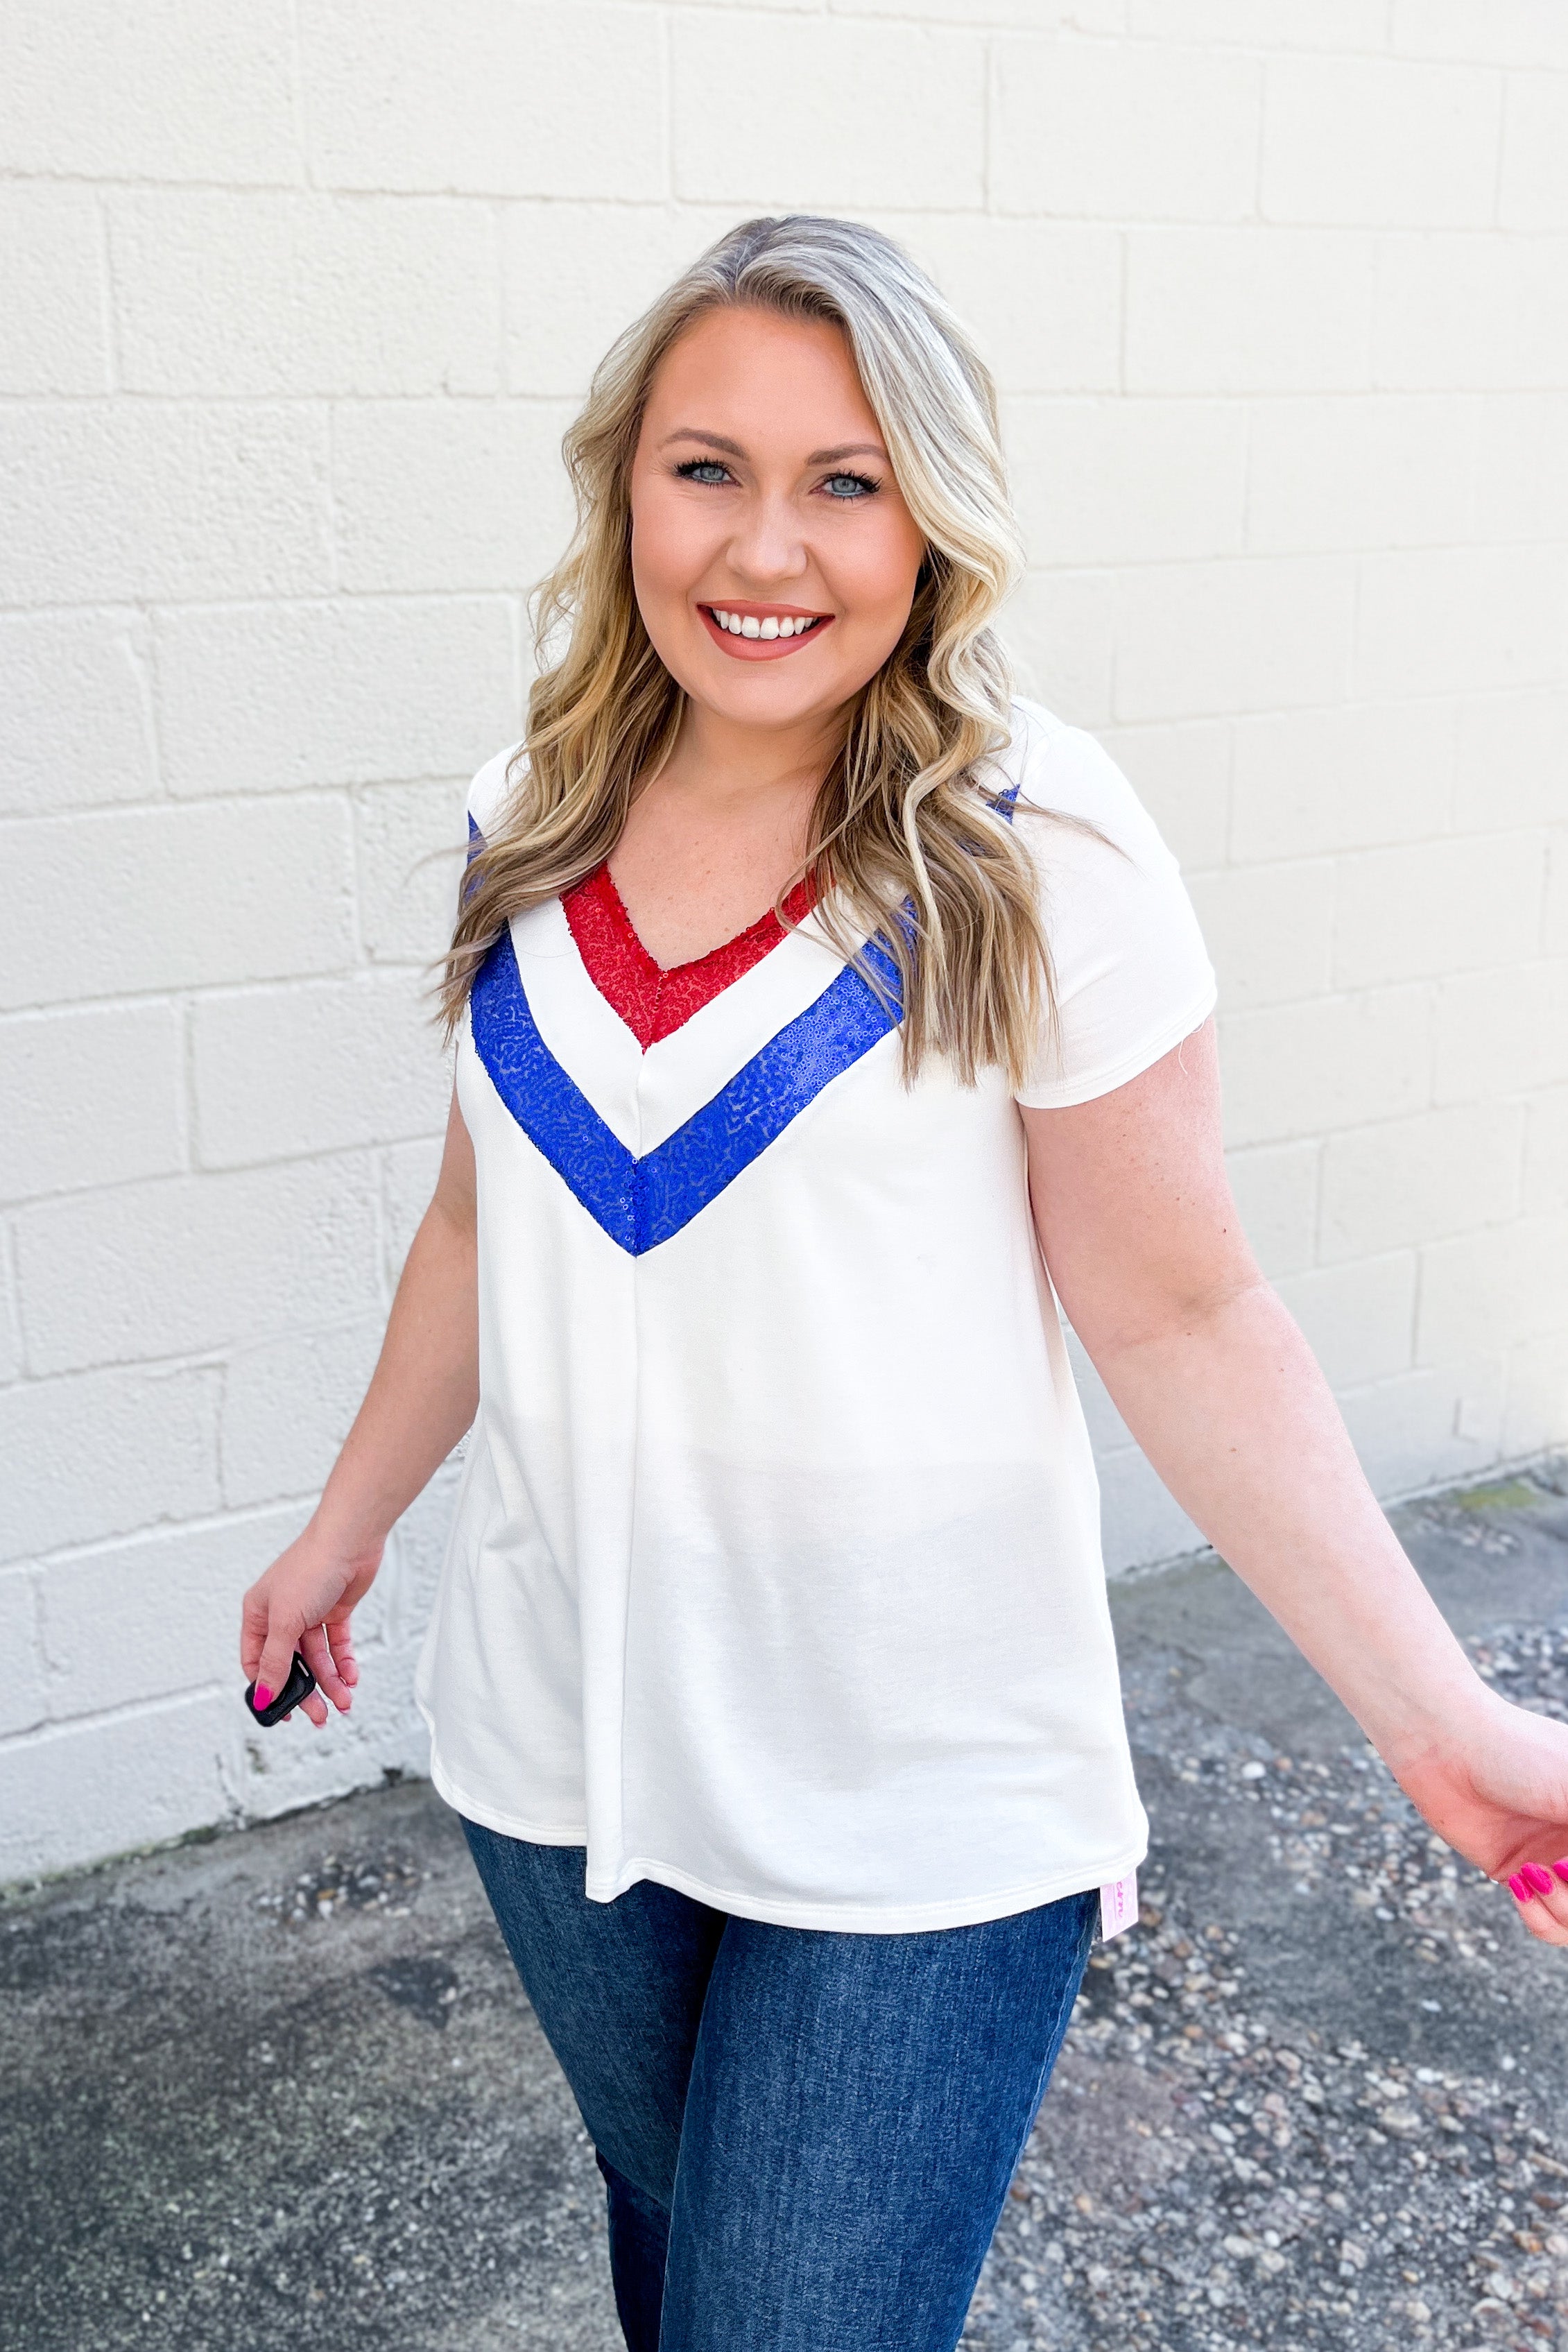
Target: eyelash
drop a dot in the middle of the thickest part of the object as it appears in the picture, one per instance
(689, 469)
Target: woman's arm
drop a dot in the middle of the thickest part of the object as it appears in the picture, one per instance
(1140, 1236)
(423, 1395)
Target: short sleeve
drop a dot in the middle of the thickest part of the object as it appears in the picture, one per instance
(488, 791)
(1132, 974)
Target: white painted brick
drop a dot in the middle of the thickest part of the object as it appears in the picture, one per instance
(410, 840)
(1315, 781)
(178, 896)
(108, 502)
(1537, 1385)
(78, 723)
(1182, 775)
(1513, 760)
(1372, 142)
(1339, 1061)
(1042, 298)
(1103, 482)
(1198, 638)
(1470, 312)
(494, 98)
(91, 1097)
(1520, 466)
(316, 1066)
(1438, 907)
(892, 115)
(1122, 132)
(151, 1618)
(287, 1407)
(1266, 24)
(467, 495)
(1544, 1186)
(1417, 1179)
(1555, 920)
(51, 291)
(572, 275)
(362, 691)
(87, 1458)
(10, 1320)
(23, 1701)
(172, 90)
(189, 1264)
(1360, 473)
(1141, 1519)
(1432, 620)
(1268, 931)
(86, 1791)
(1499, 32)
(1059, 628)
(408, 1180)
(1510, 1279)
(1426, 1428)
(1533, 192)
(294, 292)
(1247, 309)
(1037, 15)
(1501, 1033)
(1358, 1319)
(1276, 1189)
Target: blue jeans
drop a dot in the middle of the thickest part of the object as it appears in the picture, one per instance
(806, 2138)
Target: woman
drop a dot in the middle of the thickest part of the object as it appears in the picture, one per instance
(824, 1017)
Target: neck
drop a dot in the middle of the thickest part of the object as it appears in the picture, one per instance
(718, 762)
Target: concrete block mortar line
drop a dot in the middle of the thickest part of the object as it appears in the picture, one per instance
(71, 1727)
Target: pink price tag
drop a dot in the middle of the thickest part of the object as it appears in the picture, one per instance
(1118, 1904)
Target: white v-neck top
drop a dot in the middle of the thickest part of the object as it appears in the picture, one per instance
(776, 1571)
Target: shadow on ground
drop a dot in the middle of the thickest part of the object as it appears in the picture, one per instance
(281, 2089)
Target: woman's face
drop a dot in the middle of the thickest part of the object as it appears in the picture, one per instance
(773, 556)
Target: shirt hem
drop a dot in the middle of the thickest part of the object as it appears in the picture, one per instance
(869, 1919)
(489, 1817)
(1068, 1092)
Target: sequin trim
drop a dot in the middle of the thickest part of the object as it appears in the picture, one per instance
(655, 1000)
(640, 1203)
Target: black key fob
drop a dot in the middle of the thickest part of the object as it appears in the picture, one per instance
(300, 1684)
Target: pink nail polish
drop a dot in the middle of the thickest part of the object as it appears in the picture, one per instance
(263, 1696)
(1561, 1869)
(1539, 1881)
(1517, 1887)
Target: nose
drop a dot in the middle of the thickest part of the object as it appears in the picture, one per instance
(767, 547)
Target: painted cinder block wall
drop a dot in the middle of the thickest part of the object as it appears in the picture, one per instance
(296, 296)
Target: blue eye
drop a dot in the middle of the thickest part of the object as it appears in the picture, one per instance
(706, 470)
(850, 486)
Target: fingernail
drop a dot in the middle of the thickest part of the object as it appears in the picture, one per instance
(1561, 1869)
(1517, 1887)
(1539, 1881)
(263, 1696)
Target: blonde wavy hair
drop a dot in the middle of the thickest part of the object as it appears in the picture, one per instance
(908, 840)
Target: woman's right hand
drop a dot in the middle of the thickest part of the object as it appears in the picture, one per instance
(305, 1601)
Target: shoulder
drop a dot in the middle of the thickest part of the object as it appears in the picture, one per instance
(1056, 770)
(488, 792)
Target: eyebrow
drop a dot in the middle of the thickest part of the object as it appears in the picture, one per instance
(816, 457)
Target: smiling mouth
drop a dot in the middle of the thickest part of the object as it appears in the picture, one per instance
(753, 629)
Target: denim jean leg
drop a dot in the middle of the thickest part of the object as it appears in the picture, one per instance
(618, 1989)
(639, 2248)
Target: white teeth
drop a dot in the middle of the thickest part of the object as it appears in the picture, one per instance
(751, 627)
(770, 628)
(787, 626)
(776, 625)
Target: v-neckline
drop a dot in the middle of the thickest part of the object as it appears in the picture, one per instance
(654, 1000)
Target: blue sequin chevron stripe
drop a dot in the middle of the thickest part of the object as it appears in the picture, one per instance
(641, 1202)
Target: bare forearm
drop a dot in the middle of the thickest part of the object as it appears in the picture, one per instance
(1234, 1415)
(423, 1396)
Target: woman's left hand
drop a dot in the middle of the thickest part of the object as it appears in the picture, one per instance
(1499, 1793)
